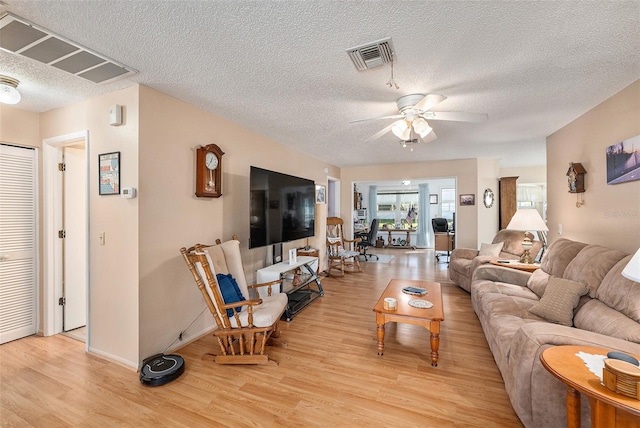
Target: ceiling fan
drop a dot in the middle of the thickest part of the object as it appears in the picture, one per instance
(414, 111)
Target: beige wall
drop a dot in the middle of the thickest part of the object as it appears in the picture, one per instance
(468, 180)
(19, 127)
(611, 214)
(171, 216)
(527, 174)
(113, 267)
(488, 223)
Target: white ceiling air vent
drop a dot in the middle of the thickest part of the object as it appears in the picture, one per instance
(372, 54)
(21, 37)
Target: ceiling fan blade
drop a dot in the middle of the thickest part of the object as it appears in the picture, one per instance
(457, 116)
(395, 116)
(379, 133)
(431, 136)
(429, 101)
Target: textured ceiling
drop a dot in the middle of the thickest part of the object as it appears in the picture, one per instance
(280, 67)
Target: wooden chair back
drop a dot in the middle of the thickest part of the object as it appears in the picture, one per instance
(341, 252)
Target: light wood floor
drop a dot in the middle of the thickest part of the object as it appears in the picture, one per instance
(328, 375)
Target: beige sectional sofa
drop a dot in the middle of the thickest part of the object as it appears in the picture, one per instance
(464, 261)
(606, 316)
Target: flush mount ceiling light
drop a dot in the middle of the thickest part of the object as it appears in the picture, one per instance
(9, 90)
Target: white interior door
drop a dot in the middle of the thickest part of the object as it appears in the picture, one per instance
(74, 244)
(18, 316)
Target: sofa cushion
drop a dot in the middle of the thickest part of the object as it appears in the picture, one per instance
(599, 318)
(538, 282)
(559, 255)
(491, 250)
(620, 293)
(512, 240)
(560, 298)
(591, 265)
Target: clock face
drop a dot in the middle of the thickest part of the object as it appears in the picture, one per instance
(488, 198)
(211, 160)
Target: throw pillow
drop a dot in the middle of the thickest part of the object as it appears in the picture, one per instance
(492, 250)
(559, 300)
(230, 291)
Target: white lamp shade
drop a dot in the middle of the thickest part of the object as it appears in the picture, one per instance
(632, 270)
(421, 127)
(401, 129)
(527, 219)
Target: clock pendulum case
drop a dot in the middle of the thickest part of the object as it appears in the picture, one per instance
(209, 171)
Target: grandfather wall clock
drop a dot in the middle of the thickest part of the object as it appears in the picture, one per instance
(209, 171)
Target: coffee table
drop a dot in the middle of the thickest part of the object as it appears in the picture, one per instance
(428, 318)
(608, 409)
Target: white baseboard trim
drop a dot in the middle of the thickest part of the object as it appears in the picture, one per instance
(114, 358)
(192, 338)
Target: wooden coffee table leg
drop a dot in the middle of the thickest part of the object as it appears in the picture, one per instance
(380, 332)
(434, 327)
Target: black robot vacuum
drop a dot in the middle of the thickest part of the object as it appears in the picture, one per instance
(161, 369)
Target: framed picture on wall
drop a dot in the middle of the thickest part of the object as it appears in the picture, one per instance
(468, 199)
(433, 199)
(109, 173)
(623, 161)
(321, 194)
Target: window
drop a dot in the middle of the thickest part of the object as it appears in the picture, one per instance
(448, 205)
(394, 207)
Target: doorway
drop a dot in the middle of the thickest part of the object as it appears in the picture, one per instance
(66, 234)
(333, 197)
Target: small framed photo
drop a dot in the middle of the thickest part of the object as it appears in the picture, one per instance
(109, 173)
(321, 194)
(468, 199)
(433, 199)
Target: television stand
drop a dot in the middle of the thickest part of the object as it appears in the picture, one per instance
(300, 282)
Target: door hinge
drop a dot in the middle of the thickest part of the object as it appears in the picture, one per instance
(62, 234)
(62, 167)
(62, 301)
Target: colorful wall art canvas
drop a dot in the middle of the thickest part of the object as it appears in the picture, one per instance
(623, 161)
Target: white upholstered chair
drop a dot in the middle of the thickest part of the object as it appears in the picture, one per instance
(243, 326)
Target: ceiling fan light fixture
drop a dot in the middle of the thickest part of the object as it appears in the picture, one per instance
(9, 90)
(401, 129)
(421, 127)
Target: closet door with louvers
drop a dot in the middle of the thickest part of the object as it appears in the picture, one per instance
(17, 243)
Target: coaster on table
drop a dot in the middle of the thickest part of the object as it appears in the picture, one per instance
(416, 291)
(422, 304)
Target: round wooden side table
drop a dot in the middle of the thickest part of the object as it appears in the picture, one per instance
(608, 409)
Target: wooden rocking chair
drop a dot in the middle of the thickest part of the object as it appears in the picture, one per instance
(341, 252)
(242, 334)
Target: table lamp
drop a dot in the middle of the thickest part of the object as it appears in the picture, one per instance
(632, 270)
(527, 219)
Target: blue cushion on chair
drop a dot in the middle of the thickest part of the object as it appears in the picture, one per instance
(230, 291)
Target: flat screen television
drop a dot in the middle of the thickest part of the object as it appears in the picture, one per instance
(282, 207)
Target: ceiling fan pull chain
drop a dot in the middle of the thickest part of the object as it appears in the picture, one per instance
(391, 83)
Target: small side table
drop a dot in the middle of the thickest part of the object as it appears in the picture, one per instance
(608, 409)
(515, 264)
